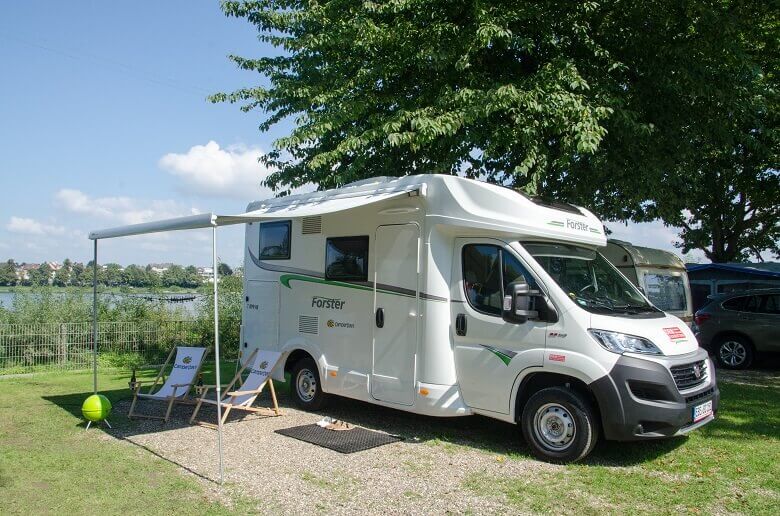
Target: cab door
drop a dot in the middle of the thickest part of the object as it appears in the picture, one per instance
(490, 352)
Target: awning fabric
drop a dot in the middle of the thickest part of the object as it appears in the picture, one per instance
(298, 206)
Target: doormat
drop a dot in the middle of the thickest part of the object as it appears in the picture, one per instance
(346, 441)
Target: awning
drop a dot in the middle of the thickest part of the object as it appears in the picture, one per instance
(307, 205)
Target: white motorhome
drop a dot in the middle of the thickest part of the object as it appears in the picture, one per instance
(446, 296)
(660, 275)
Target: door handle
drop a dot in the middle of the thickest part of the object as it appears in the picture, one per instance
(460, 325)
(380, 317)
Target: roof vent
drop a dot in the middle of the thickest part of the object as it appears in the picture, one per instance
(309, 324)
(311, 225)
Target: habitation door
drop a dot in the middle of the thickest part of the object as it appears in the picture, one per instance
(396, 299)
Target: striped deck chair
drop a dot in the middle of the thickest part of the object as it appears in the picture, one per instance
(259, 364)
(177, 386)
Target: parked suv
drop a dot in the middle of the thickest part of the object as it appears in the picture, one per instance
(734, 326)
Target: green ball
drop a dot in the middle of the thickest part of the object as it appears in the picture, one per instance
(96, 408)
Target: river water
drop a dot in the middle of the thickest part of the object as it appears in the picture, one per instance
(7, 299)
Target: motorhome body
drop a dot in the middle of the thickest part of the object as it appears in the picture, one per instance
(446, 296)
(660, 274)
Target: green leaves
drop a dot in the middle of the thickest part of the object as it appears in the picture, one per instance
(609, 105)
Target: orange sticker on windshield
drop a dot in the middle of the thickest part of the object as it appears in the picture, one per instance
(674, 333)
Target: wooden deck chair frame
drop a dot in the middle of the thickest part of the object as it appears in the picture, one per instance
(230, 395)
(172, 400)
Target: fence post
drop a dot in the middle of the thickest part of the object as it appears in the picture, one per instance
(63, 351)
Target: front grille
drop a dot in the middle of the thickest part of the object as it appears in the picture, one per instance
(698, 396)
(690, 375)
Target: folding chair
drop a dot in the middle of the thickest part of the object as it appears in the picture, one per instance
(175, 388)
(260, 364)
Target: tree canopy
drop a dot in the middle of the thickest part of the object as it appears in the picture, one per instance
(612, 105)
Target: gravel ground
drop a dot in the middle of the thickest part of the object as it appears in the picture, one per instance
(424, 473)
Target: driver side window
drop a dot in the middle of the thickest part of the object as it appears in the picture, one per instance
(487, 272)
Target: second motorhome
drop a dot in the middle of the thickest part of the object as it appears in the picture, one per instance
(661, 275)
(446, 296)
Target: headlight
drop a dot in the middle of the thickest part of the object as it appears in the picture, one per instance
(620, 342)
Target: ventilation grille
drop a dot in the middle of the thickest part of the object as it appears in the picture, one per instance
(308, 324)
(311, 225)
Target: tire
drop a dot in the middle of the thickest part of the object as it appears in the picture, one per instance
(733, 352)
(559, 425)
(306, 388)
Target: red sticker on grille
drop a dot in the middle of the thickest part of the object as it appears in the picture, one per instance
(674, 333)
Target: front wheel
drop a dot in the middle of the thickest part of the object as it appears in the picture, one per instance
(306, 387)
(559, 425)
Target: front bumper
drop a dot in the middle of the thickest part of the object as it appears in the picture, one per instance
(639, 398)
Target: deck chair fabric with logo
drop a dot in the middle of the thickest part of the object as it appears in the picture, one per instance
(176, 387)
(259, 364)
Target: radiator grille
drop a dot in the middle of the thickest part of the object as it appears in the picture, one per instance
(308, 324)
(311, 225)
(689, 375)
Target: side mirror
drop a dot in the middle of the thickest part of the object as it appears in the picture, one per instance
(518, 304)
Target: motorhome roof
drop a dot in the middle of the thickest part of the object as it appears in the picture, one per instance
(649, 257)
(468, 203)
(448, 200)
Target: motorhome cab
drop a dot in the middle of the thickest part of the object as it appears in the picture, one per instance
(661, 276)
(446, 296)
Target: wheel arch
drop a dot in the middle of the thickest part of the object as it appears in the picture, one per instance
(534, 381)
(724, 334)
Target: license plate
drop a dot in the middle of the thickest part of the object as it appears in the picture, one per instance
(702, 411)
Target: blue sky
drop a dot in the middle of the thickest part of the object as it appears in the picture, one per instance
(104, 121)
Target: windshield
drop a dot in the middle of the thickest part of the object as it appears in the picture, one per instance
(589, 279)
(666, 291)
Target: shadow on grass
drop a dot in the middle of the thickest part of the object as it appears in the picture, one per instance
(745, 410)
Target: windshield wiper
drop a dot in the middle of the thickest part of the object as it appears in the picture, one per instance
(637, 309)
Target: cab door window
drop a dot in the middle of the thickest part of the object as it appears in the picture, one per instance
(487, 272)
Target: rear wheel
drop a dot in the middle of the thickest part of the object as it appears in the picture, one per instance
(559, 425)
(733, 352)
(306, 388)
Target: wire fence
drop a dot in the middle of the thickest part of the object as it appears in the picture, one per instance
(68, 346)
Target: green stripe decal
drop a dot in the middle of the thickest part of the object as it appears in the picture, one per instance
(285, 280)
(555, 223)
(504, 358)
(504, 355)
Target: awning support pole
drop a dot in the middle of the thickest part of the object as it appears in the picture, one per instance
(216, 351)
(94, 318)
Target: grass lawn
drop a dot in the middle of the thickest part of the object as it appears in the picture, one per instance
(731, 465)
(49, 464)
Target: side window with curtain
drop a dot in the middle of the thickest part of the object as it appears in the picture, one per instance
(275, 240)
(346, 258)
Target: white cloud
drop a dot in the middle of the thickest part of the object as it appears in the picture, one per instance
(27, 226)
(122, 209)
(210, 170)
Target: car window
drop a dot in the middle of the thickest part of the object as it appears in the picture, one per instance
(735, 303)
(514, 271)
(770, 304)
(482, 277)
(752, 304)
(488, 271)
